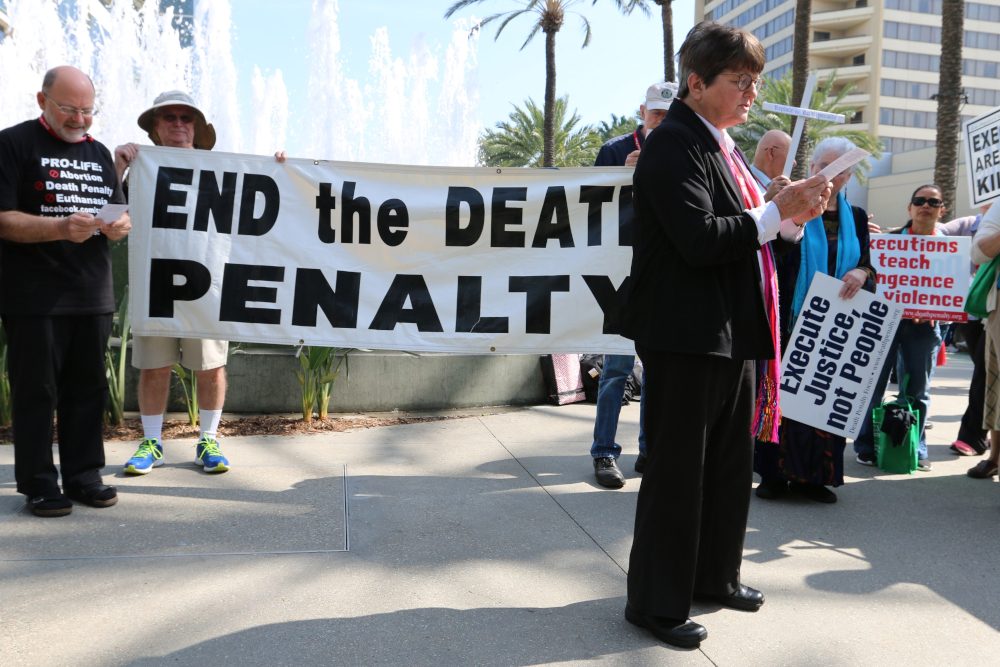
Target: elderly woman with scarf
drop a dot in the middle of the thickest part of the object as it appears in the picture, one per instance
(806, 460)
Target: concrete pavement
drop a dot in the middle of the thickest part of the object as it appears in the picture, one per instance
(484, 541)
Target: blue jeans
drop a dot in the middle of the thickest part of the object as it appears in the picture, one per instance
(915, 351)
(610, 392)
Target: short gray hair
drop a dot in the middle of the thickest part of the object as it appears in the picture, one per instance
(48, 80)
(839, 145)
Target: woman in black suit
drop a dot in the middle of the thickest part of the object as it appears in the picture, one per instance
(702, 256)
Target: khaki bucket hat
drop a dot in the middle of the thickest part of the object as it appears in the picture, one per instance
(204, 133)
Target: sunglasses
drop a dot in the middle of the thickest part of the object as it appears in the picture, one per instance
(933, 202)
(172, 118)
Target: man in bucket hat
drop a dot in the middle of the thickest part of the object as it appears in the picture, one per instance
(175, 121)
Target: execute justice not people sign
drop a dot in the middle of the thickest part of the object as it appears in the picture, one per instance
(472, 260)
(834, 356)
(927, 275)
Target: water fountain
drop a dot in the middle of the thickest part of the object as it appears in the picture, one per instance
(133, 54)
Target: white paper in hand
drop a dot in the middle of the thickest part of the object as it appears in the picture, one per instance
(111, 212)
(845, 162)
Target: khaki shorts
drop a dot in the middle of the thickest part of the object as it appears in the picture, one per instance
(192, 353)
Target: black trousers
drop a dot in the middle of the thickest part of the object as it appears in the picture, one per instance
(56, 363)
(971, 432)
(691, 517)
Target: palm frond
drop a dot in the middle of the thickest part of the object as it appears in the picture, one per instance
(531, 35)
(586, 29)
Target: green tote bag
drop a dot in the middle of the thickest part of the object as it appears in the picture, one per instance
(985, 278)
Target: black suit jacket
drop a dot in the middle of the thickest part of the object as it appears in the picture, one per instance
(695, 284)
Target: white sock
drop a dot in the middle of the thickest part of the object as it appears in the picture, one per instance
(152, 427)
(209, 420)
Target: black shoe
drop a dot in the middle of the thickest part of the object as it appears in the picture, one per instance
(816, 492)
(744, 599)
(684, 634)
(640, 464)
(95, 495)
(772, 490)
(608, 474)
(50, 505)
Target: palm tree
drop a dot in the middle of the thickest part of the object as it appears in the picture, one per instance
(781, 92)
(619, 125)
(667, 15)
(949, 98)
(800, 72)
(518, 142)
(549, 16)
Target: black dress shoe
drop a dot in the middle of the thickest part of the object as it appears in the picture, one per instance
(95, 495)
(607, 473)
(51, 504)
(816, 492)
(683, 634)
(744, 599)
(772, 490)
(640, 464)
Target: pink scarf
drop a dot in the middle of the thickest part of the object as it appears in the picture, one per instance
(767, 413)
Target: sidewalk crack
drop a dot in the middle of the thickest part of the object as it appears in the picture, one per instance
(542, 486)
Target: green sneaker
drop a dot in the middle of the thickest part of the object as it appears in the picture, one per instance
(149, 456)
(207, 454)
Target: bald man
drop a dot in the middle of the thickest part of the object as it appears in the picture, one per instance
(769, 162)
(56, 297)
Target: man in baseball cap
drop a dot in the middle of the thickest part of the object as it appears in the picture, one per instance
(174, 120)
(618, 152)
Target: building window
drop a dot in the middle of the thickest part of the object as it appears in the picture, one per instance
(932, 35)
(926, 63)
(910, 118)
(779, 49)
(775, 24)
(754, 13)
(858, 117)
(778, 73)
(897, 145)
(973, 10)
(819, 36)
(859, 60)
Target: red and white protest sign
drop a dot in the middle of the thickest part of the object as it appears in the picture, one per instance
(928, 275)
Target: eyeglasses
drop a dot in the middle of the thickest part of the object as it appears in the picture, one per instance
(172, 118)
(933, 202)
(745, 80)
(71, 111)
(776, 148)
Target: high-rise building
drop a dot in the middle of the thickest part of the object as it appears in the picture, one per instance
(890, 50)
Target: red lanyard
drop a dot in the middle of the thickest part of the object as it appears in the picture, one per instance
(45, 124)
(635, 137)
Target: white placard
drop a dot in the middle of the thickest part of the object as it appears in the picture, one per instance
(339, 254)
(927, 275)
(834, 357)
(845, 162)
(982, 157)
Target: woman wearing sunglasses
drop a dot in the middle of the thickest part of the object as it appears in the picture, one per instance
(915, 347)
(807, 460)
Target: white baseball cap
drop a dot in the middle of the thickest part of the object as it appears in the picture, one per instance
(660, 95)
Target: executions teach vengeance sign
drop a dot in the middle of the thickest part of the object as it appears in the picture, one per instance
(473, 260)
(927, 275)
(834, 356)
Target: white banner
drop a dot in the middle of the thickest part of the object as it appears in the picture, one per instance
(337, 254)
(982, 157)
(927, 275)
(834, 357)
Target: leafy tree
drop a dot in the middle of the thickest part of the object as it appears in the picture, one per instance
(949, 99)
(518, 142)
(548, 16)
(619, 125)
(780, 92)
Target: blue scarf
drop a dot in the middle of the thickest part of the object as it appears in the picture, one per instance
(815, 250)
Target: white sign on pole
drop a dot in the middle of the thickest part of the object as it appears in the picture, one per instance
(804, 112)
(337, 254)
(982, 157)
(834, 357)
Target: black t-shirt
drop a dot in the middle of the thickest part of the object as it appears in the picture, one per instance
(40, 174)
